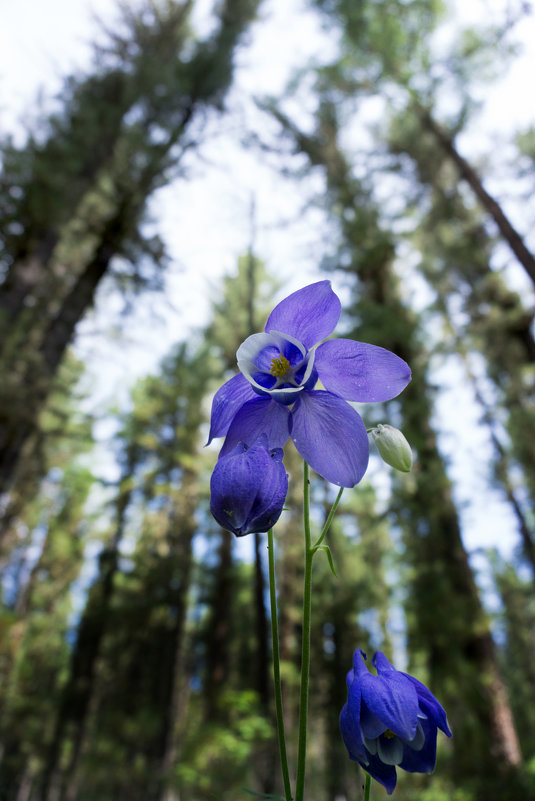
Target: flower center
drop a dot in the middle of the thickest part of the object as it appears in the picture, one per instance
(388, 734)
(280, 366)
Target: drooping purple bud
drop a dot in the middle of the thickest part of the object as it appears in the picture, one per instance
(248, 488)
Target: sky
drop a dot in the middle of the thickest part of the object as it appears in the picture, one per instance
(206, 222)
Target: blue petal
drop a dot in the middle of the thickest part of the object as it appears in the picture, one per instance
(423, 760)
(233, 489)
(256, 417)
(359, 662)
(254, 358)
(330, 435)
(273, 489)
(248, 488)
(393, 699)
(350, 719)
(390, 750)
(381, 663)
(360, 372)
(430, 705)
(417, 743)
(371, 725)
(351, 736)
(227, 400)
(309, 315)
(257, 351)
(385, 774)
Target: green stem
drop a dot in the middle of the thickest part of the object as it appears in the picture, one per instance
(276, 668)
(305, 646)
(367, 787)
(327, 525)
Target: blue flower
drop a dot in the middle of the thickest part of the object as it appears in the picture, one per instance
(390, 720)
(248, 488)
(274, 392)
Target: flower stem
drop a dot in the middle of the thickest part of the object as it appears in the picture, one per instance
(367, 787)
(276, 668)
(305, 646)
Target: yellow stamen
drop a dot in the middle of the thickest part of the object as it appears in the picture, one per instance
(388, 734)
(279, 367)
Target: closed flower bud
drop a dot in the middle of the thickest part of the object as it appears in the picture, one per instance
(393, 447)
(248, 488)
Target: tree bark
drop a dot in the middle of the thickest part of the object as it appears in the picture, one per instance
(217, 647)
(38, 382)
(78, 690)
(182, 528)
(491, 206)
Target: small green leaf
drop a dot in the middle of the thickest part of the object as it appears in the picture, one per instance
(329, 555)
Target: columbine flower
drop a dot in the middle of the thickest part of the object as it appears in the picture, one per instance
(390, 720)
(274, 392)
(248, 488)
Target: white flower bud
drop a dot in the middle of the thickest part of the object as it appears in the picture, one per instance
(393, 447)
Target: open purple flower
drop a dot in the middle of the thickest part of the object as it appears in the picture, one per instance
(274, 391)
(248, 488)
(390, 720)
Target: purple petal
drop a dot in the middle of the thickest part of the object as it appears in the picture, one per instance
(233, 478)
(350, 730)
(384, 774)
(227, 400)
(423, 760)
(254, 356)
(330, 435)
(256, 417)
(256, 352)
(360, 372)
(393, 699)
(371, 725)
(248, 488)
(309, 315)
(430, 705)
(382, 664)
(359, 662)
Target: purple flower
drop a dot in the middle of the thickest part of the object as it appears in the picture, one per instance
(248, 488)
(274, 392)
(390, 720)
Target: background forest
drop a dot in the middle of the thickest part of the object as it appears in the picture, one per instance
(134, 633)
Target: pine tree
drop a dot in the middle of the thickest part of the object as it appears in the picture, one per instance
(76, 197)
(35, 645)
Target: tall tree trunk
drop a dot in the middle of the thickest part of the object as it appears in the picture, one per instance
(173, 677)
(36, 385)
(217, 647)
(491, 206)
(79, 688)
(502, 469)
